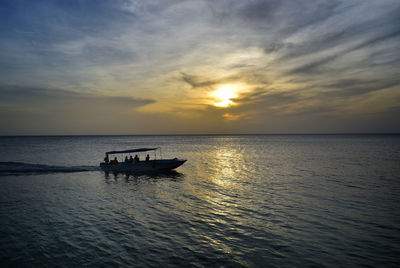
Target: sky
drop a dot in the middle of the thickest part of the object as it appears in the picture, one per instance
(199, 67)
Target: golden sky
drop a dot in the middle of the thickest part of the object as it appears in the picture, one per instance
(199, 67)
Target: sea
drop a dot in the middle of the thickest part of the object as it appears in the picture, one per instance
(238, 201)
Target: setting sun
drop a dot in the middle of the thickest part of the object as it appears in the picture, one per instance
(224, 95)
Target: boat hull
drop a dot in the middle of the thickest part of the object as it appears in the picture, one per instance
(143, 166)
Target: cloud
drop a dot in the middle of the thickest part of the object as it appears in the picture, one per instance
(357, 33)
(308, 58)
(27, 95)
(313, 67)
(47, 22)
(357, 87)
(280, 18)
(232, 117)
(196, 81)
(31, 110)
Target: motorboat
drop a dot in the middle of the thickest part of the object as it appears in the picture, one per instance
(134, 165)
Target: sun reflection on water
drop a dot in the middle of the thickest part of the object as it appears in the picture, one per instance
(221, 199)
(223, 178)
(226, 167)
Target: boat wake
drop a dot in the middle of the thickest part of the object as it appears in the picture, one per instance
(16, 168)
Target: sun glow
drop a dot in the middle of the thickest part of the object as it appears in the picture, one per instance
(223, 96)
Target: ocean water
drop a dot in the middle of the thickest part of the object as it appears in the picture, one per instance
(239, 201)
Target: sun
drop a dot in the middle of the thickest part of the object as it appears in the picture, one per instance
(223, 96)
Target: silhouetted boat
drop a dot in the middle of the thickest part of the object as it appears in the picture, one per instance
(135, 165)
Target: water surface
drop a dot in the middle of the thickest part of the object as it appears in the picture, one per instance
(247, 200)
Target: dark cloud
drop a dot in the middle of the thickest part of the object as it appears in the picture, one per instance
(312, 67)
(196, 81)
(267, 100)
(259, 11)
(62, 36)
(23, 95)
(34, 110)
(358, 87)
(47, 22)
(365, 33)
(381, 37)
(268, 97)
(275, 47)
(315, 66)
(280, 17)
(246, 73)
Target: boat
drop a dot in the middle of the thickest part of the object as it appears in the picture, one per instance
(134, 165)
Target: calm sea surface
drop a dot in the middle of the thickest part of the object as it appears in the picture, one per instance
(252, 201)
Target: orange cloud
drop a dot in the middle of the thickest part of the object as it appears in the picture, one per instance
(231, 117)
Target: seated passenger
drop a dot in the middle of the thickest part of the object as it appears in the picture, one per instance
(126, 158)
(130, 159)
(115, 160)
(136, 158)
(147, 158)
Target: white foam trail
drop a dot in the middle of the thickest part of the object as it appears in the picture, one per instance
(19, 167)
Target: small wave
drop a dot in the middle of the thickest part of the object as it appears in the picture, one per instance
(23, 168)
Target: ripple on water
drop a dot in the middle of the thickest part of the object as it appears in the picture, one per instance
(250, 201)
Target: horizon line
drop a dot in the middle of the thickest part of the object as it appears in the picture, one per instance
(202, 134)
